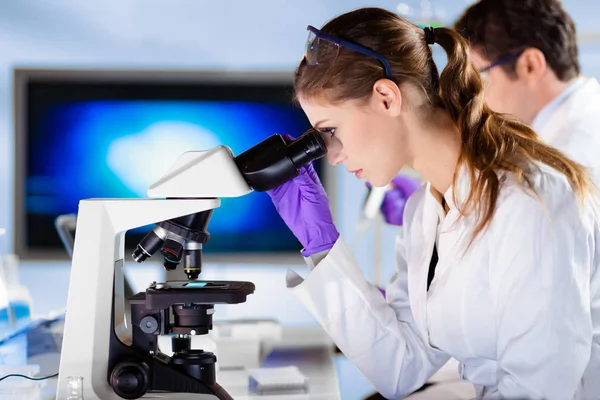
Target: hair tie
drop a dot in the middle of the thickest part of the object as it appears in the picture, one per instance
(429, 35)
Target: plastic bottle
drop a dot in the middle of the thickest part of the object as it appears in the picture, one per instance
(5, 314)
(15, 313)
(20, 302)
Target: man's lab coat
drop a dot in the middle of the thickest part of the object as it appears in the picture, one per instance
(571, 123)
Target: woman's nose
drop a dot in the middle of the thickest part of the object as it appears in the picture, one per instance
(334, 157)
(335, 154)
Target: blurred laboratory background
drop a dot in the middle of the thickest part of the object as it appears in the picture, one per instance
(99, 98)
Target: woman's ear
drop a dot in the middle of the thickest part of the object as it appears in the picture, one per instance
(387, 97)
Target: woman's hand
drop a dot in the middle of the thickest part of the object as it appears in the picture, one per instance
(303, 204)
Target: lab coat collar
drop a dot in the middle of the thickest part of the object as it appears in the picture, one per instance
(455, 197)
(461, 187)
(545, 114)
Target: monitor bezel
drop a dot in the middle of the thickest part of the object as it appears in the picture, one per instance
(22, 76)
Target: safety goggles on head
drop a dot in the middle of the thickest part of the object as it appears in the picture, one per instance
(501, 61)
(318, 40)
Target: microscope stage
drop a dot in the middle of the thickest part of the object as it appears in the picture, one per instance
(164, 294)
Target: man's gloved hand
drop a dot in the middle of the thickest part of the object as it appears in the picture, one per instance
(303, 205)
(394, 201)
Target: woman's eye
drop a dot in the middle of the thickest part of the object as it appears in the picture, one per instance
(330, 131)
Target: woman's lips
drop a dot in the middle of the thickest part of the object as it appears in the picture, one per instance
(358, 173)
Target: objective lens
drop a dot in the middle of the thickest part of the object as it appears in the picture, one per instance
(192, 260)
(148, 245)
(172, 252)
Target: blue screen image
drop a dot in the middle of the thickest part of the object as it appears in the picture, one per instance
(118, 148)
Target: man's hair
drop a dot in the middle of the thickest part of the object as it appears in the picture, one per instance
(500, 28)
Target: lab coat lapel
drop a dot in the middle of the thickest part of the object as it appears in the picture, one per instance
(420, 254)
(419, 259)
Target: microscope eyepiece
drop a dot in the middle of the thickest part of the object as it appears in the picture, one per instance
(273, 161)
(306, 148)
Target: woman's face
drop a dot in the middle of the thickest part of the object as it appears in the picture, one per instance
(366, 137)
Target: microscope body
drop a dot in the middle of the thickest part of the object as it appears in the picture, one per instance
(111, 341)
(95, 321)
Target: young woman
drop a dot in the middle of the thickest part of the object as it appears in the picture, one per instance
(497, 266)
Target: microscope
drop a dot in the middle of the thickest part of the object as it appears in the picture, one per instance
(112, 342)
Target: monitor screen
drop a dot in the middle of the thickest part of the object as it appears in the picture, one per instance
(84, 138)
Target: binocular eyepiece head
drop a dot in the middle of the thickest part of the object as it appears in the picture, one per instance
(275, 161)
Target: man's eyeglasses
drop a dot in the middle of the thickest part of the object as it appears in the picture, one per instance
(501, 61)
(319, 42)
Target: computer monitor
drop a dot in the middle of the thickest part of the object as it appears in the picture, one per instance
(112, 133)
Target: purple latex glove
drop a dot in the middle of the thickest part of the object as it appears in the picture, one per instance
(394, 201)
(303, 205)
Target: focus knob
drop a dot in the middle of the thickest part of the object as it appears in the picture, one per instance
(129, 379)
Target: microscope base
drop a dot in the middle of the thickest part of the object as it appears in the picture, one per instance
(179, 309)
(132, 373)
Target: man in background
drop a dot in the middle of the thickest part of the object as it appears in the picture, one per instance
(526, 52)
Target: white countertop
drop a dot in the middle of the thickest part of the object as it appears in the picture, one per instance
(308, 348)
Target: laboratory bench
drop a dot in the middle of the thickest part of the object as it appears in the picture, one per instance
(302, 343)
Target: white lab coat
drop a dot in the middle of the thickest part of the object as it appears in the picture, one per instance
(571, 123)
(514, 309)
